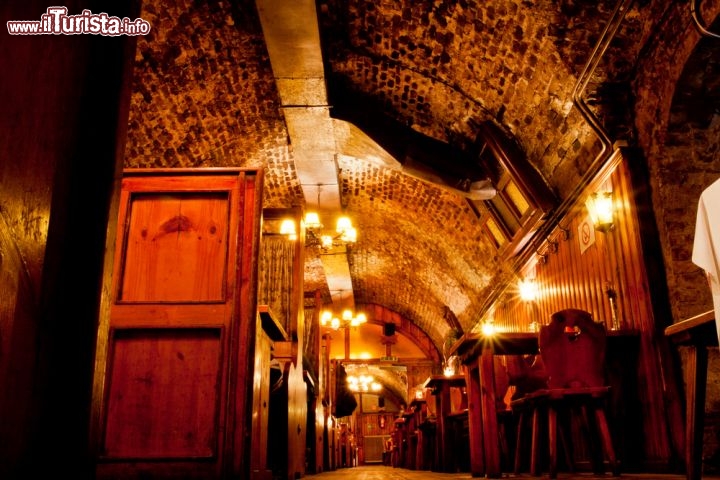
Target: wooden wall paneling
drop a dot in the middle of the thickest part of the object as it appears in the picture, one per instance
(54, 229)
(278, 425)
(170, 362)
(297, 421)
(628, 281)
(653, 359)
(605, 282)
(547, 269)
(573, 278)
(593, 284)
(313, 351)
(557, 266)
(594, 263)
(261, 407)
(243, 327)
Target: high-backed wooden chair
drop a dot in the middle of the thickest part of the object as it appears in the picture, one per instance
(572, 348)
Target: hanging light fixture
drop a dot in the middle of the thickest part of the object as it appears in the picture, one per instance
(363, 383)
(345, 234)
(345, 230)
(347, 319)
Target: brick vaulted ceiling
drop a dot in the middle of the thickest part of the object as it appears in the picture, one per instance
(205, 95)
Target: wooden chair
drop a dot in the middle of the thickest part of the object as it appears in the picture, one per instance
(505, 415)
(527, 375)
(572, 348)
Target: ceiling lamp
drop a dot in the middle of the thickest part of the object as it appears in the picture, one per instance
(348, 319)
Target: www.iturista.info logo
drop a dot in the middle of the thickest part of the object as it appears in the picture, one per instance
(57, 22)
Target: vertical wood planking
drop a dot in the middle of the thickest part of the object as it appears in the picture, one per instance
(571, 279)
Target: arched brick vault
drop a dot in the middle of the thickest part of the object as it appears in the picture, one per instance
(380, 315)
(204, 96)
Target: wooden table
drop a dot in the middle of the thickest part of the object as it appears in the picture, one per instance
(440, 386)
(696, 333)
(485, 451)
(485, 460)
(418, 407)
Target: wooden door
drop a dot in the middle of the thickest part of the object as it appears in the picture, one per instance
(176, 395)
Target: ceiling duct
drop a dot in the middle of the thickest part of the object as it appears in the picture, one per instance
(293, 42)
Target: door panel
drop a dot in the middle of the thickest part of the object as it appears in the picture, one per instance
(176, 248)
(162, 401)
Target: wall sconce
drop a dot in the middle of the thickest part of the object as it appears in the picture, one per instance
(600, 208)
(528, 290)
(529, 294)
(488, 328)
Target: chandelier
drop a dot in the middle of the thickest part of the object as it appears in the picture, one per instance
(345, 320)
(363, 383)
(317, 236)
(345, 233)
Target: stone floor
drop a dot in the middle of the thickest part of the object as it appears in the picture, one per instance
(381, 472)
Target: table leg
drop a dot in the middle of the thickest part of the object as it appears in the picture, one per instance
(695, 389)
(489, 415)
(475, 430)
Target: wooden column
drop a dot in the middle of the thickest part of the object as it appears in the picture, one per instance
(489, 414)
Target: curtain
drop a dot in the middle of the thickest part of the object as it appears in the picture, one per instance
(275, 277)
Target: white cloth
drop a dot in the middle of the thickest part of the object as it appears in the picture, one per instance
(706, 247)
